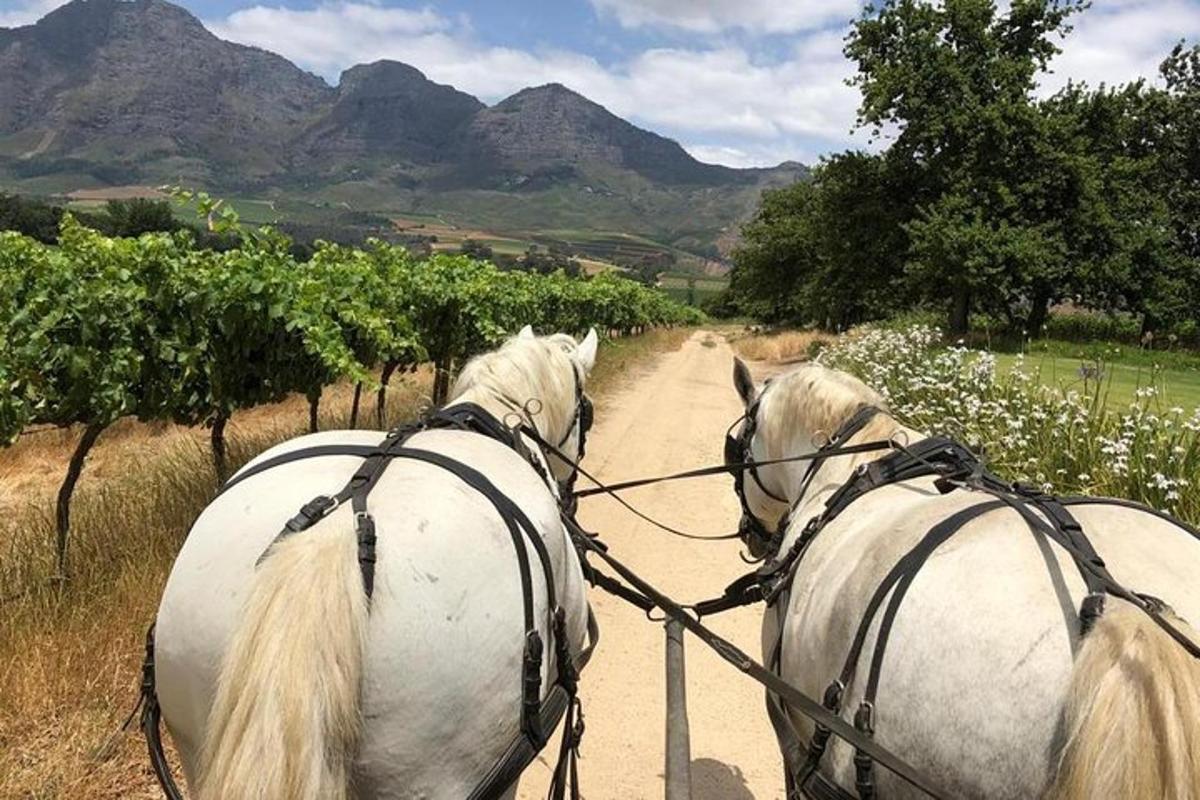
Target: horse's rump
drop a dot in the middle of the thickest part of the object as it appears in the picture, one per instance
(444, 635)
(975, 675)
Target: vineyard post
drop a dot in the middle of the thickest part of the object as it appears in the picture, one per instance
(314, 405)
(220, 460)
(354, 407)
(441, 380)
(63, 516)
(381, 397)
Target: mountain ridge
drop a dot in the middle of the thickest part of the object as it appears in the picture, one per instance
(139, 91)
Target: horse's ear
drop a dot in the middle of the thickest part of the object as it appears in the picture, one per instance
(526, 332)
(742, 380)
(587, 350)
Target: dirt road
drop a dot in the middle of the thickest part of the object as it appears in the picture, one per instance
(671, 418)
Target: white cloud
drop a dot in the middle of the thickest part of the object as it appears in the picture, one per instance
(684, 92)
(26, 12)
(753, 156)
(1121, 40)
(331, 36)
(710, 92)
(712, 16)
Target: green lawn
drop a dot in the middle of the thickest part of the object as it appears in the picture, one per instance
(1176, 386)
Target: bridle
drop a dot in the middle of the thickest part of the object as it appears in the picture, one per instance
(581, 421)
(739, 451)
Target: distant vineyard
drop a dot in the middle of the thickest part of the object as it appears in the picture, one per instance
(100, 328)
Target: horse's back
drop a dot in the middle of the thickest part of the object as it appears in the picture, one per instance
(978, 661)
(446, 630)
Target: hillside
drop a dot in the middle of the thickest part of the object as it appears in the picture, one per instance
(112, 93)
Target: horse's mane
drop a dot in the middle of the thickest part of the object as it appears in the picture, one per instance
(814, 399)
(524, 369)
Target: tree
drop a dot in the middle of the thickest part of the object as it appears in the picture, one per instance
(477, 250)
(140, 215)
(829, 251)
(954, 82)
(32, 218)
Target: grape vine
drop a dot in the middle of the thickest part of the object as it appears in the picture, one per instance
(98, 328)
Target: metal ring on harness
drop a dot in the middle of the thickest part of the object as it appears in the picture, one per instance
(538, 717)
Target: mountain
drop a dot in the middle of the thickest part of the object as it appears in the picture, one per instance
(113, 92)
(134, 83)
(552, 126)
(387, 110)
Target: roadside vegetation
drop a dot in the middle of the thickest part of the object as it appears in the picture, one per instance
(70, 654)
(1089, 438)
(779, 346)
(97, 328)
(990, 199)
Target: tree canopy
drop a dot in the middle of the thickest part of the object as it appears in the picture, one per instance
(988, 197)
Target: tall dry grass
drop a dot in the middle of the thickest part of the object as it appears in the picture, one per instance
(70, 656)
(779, 346)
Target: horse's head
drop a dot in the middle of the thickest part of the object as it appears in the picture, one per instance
(792, 414)
(541, 380)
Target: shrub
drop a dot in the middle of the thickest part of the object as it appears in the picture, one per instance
(1066, 442)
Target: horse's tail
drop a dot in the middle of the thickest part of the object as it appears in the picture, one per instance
(1132, 719)
(286, 719)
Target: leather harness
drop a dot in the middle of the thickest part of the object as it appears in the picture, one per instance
(955, 467)
(538, 718)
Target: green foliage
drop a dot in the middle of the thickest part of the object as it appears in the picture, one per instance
(98, 327)
(475, 249)
(76, 334)
(1093, 328)
(35, 219)
(140, 215)
(826, 251)
(989, 200)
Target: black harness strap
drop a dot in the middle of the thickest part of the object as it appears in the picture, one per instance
(955, 467)
(538, 718)
(895, 583)
(316, 451)
(747, 665)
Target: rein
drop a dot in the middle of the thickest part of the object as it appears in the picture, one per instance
(613, 489)
(739, 466)
(643, 595)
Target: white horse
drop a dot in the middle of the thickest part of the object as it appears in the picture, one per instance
(283, 681)
(986, 686)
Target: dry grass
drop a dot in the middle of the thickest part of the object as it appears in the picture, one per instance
(619, 357)
(70, 656)
(778, 346)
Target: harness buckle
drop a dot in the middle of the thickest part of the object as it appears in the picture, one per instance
(531, 704)
(833, 695)
(864, 718)
(312, 512)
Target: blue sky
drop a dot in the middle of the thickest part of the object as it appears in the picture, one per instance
(739, 82)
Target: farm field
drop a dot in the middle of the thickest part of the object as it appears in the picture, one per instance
(597, 251)
(1119, 381)
(675, 284)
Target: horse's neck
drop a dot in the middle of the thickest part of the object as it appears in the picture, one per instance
(503, 409)
(498, 407)
(833, 473)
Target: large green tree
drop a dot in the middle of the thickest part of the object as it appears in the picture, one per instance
(952, 83)
(829, 251)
